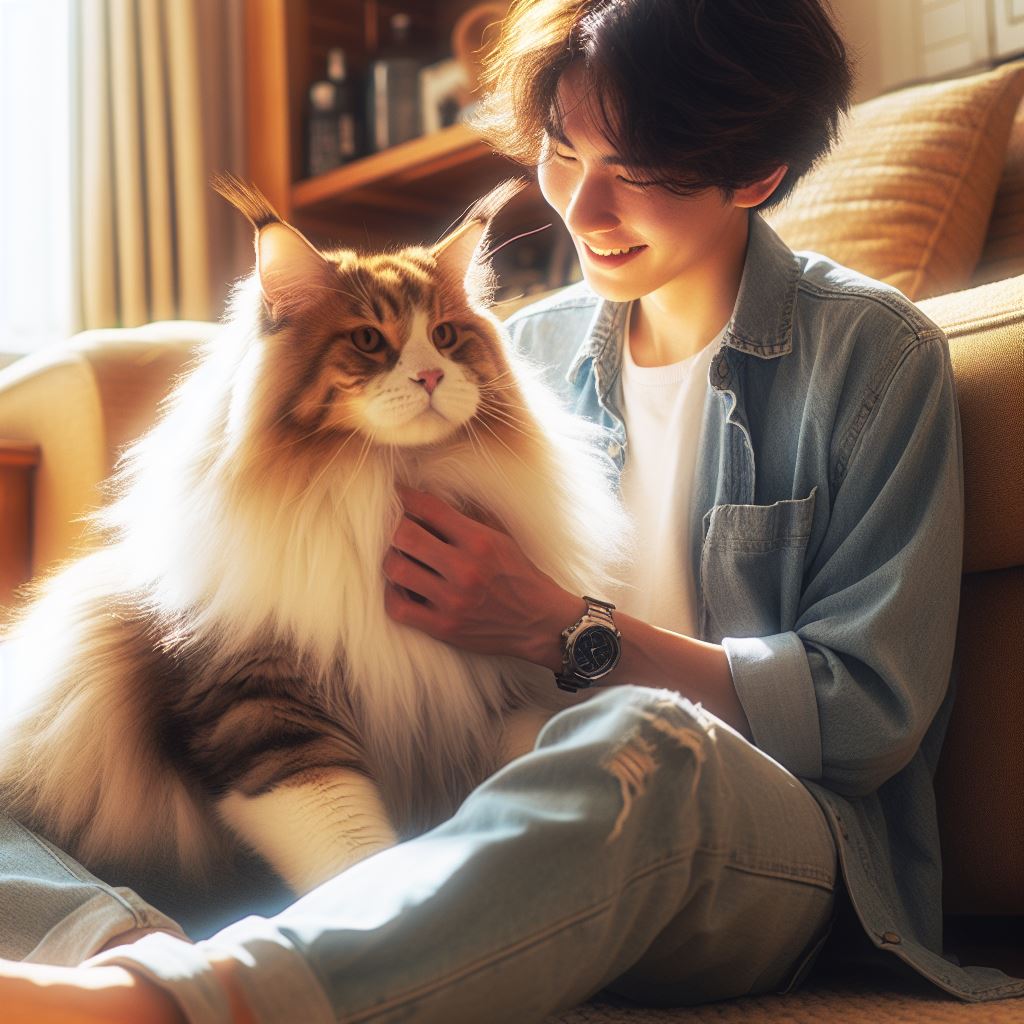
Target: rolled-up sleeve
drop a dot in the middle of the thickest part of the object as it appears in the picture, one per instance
(783, 719)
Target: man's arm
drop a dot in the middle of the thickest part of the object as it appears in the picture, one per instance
(483, 594)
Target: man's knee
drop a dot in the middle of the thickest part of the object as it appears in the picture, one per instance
(649, 740)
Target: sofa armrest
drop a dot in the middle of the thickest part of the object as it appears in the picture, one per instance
(985, 327)
(81, 402)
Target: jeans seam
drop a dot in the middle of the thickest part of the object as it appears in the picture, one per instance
(466, 970)
(804, 874)
(100, 887)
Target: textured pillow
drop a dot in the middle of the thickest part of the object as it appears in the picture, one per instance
(906, 195)
(1003, 255)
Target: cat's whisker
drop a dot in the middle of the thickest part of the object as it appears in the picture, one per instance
(498, 376)
(506, 446)
(343, 421)
(491, 386)
(499, 404)
(481, 448)
(322, 429)
(330, 462)
(360, 462)
(511, 422)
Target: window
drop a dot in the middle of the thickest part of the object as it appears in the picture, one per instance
(35, 176)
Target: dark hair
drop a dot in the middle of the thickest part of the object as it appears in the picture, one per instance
(692, 93)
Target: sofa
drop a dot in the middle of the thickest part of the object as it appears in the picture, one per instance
(926, 191)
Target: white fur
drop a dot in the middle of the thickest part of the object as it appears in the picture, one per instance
(304, 564)
(311, 830)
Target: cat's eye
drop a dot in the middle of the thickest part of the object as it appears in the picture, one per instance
(444, 335)
(367, 339)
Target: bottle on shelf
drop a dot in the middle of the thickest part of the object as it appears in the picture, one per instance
(332, 118)
(393, 89)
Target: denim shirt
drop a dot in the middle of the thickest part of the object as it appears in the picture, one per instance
(827, 542)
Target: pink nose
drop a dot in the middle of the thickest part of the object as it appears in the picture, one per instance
(429, 379)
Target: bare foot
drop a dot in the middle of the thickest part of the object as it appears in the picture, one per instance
(36, 993)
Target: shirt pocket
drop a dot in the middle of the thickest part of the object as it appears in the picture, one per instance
(752, 567)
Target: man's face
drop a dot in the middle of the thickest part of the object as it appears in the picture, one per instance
(666, 237)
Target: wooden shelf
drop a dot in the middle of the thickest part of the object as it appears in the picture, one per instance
(409, 194)
(411, 161)
(401, 192)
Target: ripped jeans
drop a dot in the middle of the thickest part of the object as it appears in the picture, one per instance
(642, 847)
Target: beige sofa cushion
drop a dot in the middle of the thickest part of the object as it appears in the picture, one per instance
(906, 195)
(985, 327)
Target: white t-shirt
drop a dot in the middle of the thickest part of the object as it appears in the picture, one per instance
(662, 407)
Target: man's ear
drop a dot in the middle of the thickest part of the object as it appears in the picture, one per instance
(757, 192)
(290, 268)
(462, 252)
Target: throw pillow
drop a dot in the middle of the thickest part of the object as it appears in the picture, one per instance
(1003, 255)
(906, 195)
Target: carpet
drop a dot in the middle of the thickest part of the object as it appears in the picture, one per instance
(819, 1004)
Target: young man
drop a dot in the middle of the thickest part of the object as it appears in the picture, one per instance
(775, 680)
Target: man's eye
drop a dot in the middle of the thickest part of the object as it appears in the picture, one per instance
(564, 156)
(633, 183)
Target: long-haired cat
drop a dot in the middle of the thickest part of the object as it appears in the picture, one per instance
(219, 671)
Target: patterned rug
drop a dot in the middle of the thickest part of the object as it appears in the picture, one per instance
(820, 1004)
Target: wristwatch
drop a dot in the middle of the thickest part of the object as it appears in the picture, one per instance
(590, 647)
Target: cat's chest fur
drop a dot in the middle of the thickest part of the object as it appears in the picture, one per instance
(299, 605)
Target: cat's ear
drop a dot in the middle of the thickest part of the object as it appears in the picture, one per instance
(463, 252)
(291, 270)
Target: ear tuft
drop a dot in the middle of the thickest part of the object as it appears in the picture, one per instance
(247, 199)
(291, 269)
(462, 251)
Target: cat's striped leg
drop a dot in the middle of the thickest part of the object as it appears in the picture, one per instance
(313, 825)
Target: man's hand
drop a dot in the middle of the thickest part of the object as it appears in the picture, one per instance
(479, 590)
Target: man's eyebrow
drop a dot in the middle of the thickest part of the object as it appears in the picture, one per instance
(560, 137)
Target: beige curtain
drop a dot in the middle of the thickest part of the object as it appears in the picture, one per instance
(159, 110)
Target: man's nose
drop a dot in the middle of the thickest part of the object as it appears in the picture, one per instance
(590, 209)
(429, 379)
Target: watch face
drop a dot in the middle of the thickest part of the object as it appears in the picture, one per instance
(595, 651)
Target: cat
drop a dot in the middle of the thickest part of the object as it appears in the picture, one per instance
(218, 670)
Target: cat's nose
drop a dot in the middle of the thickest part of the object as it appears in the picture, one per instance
(429, 379)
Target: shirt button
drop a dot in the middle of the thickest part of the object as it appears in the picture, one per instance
(891, 938)
(614, 448)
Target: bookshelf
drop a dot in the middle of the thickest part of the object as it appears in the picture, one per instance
(407, 194)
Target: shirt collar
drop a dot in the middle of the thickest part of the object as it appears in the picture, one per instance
(762, 320)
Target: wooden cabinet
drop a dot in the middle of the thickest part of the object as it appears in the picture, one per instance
(407, 194)
(18, 461)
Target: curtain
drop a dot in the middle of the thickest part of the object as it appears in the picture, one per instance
(157, 92)
(35, 266)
